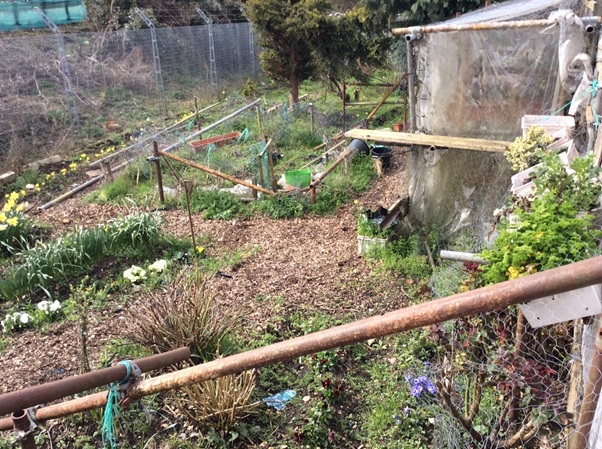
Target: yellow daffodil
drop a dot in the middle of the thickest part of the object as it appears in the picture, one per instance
(200, 249)
(13, 221)
(2, 217)
(73, 166)
(20, 208)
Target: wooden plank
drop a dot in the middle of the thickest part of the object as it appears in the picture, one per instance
(461, 143)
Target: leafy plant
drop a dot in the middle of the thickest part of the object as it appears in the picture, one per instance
(282, 206)
(216, 205)
(371, 228)
(524, 151)
(16, 230)
(548, 232)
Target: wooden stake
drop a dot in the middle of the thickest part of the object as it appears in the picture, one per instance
(157, 159)
(107, 171)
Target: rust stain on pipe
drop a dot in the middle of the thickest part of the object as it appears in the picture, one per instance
(51, 391)
(486, 299)
(502, 295)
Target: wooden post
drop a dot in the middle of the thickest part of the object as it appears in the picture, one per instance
(259, 119)
(312, 193)
(384, 99)
(271, 165)
(260, 170)
(187, 184)
(344, 100)
(157, 159)
(253, 191)
(311, 117)
(107, 171)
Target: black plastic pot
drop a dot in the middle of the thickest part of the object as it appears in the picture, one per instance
(360, 146)
(383, 153)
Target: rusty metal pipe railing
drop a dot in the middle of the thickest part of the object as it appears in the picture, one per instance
(486, 299)
(481, 26)
(51, 391)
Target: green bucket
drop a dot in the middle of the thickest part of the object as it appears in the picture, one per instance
(298, 178)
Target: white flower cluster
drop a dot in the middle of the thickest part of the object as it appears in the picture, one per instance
(158, 266)
(135, 274)
(49, 307)
(15, 320)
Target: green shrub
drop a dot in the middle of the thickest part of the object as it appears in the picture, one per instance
(282, 206)
(216, 205)
(49, 263)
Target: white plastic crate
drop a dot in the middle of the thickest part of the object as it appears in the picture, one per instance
(364, 244)
(556, 126)
(522, 189)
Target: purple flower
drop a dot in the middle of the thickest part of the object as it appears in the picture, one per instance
(409, 378)
(396, 419)
(431, 388)
(407, 410)
(416, 390)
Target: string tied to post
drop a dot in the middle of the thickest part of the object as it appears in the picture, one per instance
(117, 393)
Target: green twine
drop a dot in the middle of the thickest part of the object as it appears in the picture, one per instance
(244, 136)
(112, 409)
(210, 149)
(189, 125)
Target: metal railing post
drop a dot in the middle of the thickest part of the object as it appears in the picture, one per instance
(156, 59)
(63, 64)
(212, 65)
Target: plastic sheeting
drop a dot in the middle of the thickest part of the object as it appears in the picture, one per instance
(457, 190)
(480, 83)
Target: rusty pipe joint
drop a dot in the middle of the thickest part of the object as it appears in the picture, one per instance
(24, 425)
(414, 34)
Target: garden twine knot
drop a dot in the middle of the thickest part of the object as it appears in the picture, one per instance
(116, 393)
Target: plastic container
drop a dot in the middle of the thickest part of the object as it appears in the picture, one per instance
(364, 244)
(522, 189)
(556, 126)
(360, 146)
(383, 153)
(298, 178)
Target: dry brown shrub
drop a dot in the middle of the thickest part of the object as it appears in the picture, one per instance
(182, 314)
(218, 403)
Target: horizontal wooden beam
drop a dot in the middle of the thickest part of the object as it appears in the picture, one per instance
(461, 143)
(372, 103)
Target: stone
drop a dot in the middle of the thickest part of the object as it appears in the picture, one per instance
(7, 178)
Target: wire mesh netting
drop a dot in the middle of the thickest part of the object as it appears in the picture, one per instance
(527, 376)
(113, 76)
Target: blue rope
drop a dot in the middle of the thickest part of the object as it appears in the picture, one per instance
(591, 89)
(112, 409)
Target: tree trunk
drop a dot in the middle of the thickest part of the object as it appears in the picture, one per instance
(293, 78)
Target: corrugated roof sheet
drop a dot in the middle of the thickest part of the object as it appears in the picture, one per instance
(510, 10)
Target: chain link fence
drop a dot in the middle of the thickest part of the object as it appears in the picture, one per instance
(117, 81)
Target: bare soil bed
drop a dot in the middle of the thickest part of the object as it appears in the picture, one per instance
(311, 263)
